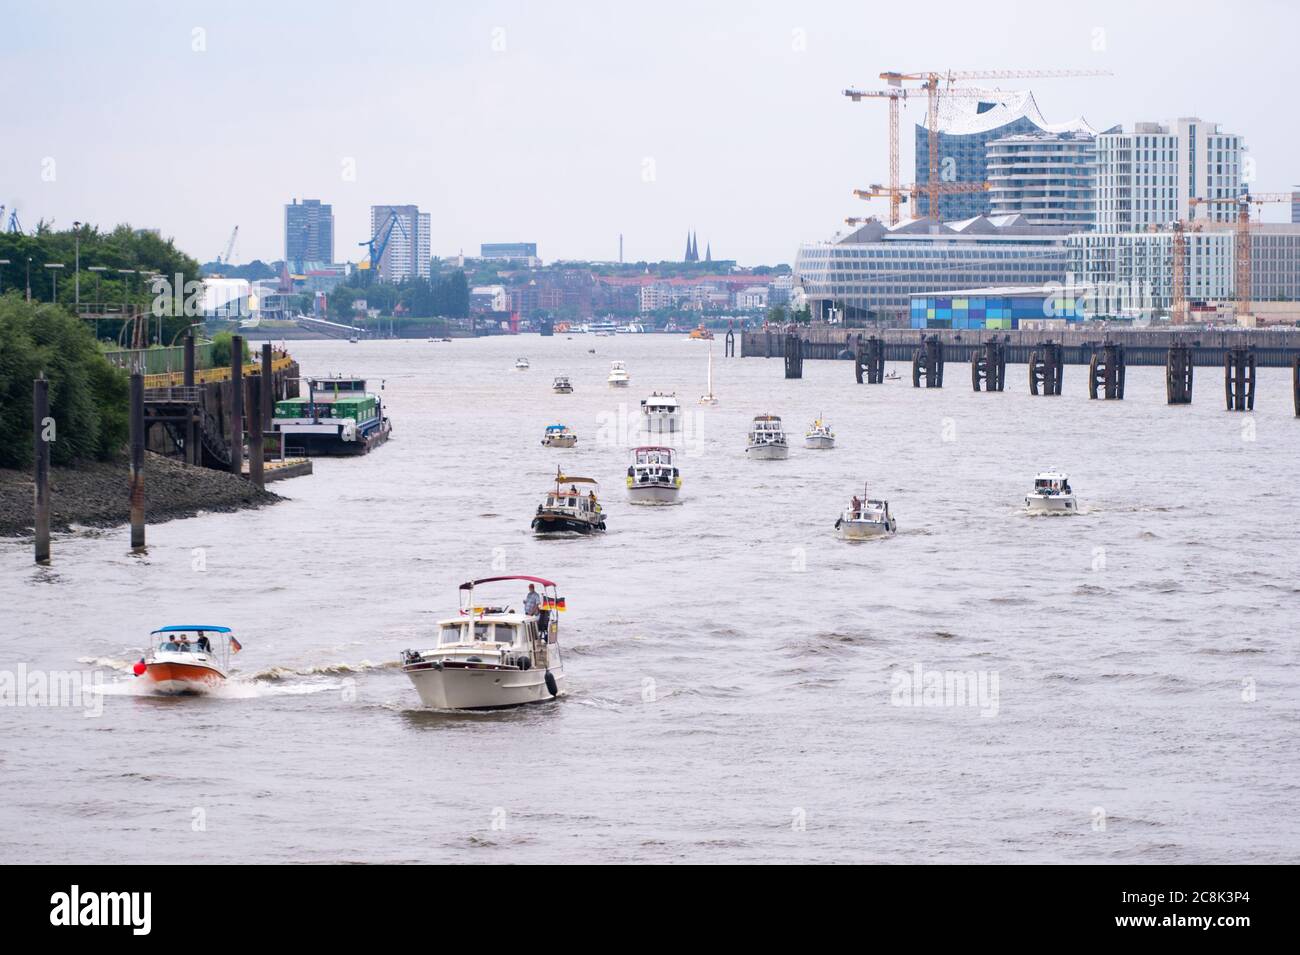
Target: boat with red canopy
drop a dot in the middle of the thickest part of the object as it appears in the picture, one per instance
(492, 655)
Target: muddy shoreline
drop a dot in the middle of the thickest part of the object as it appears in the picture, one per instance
(95, 495)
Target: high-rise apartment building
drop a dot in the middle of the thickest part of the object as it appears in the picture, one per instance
(308, 232)
(1048, 178)
(1146, 177)
(404, 233)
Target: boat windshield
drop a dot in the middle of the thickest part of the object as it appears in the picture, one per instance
(450, 633)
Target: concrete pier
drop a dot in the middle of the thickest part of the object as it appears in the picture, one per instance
(41, 438)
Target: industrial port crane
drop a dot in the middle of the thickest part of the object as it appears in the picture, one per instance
(378, 242)
(224, 258)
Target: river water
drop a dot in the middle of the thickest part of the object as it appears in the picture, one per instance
(740, 682)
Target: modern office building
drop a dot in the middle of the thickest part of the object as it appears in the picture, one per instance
(1146, 177)
(308, 232)
(406, 253)
(874, 271)
(1048, 178)
(1131, 274)
(967, 124)
(1295, 207)
(525, 252)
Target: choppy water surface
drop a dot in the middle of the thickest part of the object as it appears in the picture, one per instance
(733, 669)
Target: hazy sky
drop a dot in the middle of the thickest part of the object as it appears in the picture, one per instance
(566, 123)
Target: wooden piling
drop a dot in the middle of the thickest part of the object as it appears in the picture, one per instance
(793, 356)
(137, 429)
(1295, 383)
(1178, 374)
(927, 363)
(1239, 379)
(192, 454)
(988, 366)
(1106, 371)
(257, 386)
(237, 404)
(40, 437)
(1046, 369)
(869, 360)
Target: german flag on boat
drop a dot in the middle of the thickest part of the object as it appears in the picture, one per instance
(556, 604)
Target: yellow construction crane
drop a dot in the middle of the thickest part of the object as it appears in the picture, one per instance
(1241, 250)
(933, 85)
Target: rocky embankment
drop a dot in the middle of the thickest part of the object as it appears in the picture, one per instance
(96, 494)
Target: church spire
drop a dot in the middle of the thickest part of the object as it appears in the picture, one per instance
(708, 252)
(687, 257)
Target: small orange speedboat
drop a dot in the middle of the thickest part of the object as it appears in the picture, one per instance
(187, 658)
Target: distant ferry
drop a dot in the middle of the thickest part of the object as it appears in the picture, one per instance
(602, 328)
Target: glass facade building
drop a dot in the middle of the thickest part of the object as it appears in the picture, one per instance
(967, 125)
(1049, 178)
(875, 271)
(308, 232)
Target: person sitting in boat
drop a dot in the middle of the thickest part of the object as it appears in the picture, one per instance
(170, 645)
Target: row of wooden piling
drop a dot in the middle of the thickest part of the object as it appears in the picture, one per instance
(260, 394)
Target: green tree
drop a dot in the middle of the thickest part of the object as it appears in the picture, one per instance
(88, 396)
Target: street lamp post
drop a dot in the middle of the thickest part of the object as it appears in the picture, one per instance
(76, 270)
(99, 270)
(29, 278)
(126, 285)
(54, 280)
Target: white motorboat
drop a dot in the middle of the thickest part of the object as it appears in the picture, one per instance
(653, 477)
(568, 510)
(521, 364)
(819, 435)
(709, 398)
(767, 439)
(1052, 494)
(562, 386)
(865, 518)
(559, 436)
(661, 414)
(187, 658)
(492, 657)
(618, 376)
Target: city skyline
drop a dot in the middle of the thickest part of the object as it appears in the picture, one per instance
(729, 118)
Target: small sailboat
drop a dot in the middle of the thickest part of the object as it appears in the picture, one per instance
(709, 398)
(819, 436)
(187, 658)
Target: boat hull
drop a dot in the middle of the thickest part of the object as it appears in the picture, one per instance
(177, 678)
(1059, 505)
(565, 442)
(653, 494)
(768, 452)
(483, 688)
(818, 442)
(331, 444)
(864, 530)
(619, 382)
(564, 524)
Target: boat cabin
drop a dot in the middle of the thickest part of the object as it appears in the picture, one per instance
(767, 429)
(653, 465)
(659, 404)
(1052, 482)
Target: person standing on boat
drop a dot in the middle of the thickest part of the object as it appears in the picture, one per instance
(532, 601)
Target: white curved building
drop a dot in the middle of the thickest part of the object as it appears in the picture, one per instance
(1048, 178)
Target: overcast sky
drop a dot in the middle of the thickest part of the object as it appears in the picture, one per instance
(567, 123)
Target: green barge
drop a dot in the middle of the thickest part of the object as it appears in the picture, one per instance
(337, 417)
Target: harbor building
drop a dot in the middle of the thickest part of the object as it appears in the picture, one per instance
(1048, 178)
(406, 253)
(874, 271)
(1016, 306)
(1131, 274)
(1146, 177)
(525, 252)
(308, 232)
(967, 125)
